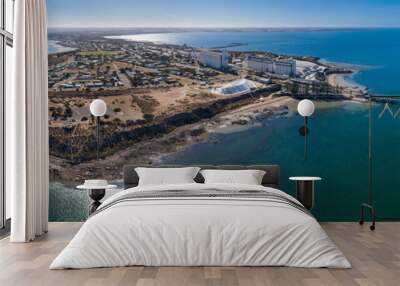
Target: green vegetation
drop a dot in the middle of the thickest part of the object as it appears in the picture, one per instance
(67, 111)
(80, 104)
(148, 117)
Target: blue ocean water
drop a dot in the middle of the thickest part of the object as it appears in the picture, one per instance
(338, 147)
(376, 51)
(337, 152)
(339, 141)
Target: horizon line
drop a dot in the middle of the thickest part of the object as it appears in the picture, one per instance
(221, 27)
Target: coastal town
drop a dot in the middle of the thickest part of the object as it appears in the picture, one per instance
(156, 92)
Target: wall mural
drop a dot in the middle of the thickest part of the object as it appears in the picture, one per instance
(224, 96)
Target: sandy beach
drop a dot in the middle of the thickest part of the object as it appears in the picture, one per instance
(244, 117)
(350, 88)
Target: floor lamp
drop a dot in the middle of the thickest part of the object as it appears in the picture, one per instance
(306, 109)
(370, 204)
(98, 108)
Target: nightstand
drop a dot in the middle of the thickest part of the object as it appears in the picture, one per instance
(305, 190)
(96, 192)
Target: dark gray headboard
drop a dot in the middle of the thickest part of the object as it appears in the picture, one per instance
(271, 177)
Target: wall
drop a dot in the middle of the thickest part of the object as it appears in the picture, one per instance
(162, 108)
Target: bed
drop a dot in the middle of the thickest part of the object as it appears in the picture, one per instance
(198, 224)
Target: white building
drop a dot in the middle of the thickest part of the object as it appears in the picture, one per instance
(287, 67)
(260, 65)
(281, 67)
(213, 59)
(237, 87)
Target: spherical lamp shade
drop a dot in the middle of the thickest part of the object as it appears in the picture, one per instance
(98, 107)
(306, 108)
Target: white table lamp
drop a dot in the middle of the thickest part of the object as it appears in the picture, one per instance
(98, 108)
(305, 108)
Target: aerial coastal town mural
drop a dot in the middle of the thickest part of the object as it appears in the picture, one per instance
(221, 96)
(156, 89)
(163, 97)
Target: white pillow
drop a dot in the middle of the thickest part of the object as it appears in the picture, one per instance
(166, 176)
(246, 177)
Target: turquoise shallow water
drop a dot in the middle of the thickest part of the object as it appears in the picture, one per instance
(66, 203)
(339, 131)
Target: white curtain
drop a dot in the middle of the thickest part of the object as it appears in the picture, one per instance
(27, 124)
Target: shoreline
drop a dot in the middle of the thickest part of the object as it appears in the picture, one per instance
(160, 150)
(153, 151)
(351, 88)
(59, 48)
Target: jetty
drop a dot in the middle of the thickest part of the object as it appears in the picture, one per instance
(230, 45)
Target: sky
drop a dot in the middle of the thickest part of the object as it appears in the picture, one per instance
(225, 13)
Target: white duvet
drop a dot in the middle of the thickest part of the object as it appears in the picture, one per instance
(202, 232)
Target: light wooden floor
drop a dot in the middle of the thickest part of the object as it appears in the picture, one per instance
(375, 257)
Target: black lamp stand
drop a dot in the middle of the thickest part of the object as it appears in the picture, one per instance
(303, 130)
(370, 204)
(97, 136)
